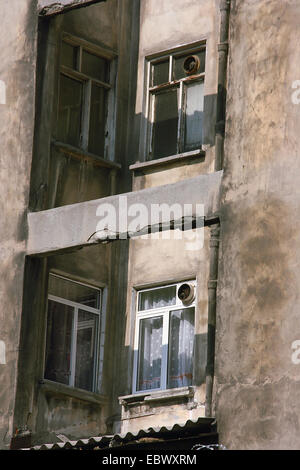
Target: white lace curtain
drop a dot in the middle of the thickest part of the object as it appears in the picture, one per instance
(181, 345)
(150, 353)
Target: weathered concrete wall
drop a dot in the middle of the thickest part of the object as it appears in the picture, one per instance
(167, 260)
(17, 73)
(166, 25)
(257, 392)
(57, 177)
(60, 180)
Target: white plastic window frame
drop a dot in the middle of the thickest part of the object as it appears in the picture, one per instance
(87, 81)
(151, 313)
(181, 83)
(100, 334)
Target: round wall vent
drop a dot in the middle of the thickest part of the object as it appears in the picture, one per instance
(186, 293)
(191, 64)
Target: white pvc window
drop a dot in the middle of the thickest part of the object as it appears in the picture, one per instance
(73, 334)
(164, 340)
(175, 104)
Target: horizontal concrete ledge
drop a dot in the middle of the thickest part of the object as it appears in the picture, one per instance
(87, 223)
(159, 396)
(55, 388)
(161, 162)
(51, 7)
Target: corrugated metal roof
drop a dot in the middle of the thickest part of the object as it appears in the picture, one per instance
(90, 443)
(189, 425)
(101, 442)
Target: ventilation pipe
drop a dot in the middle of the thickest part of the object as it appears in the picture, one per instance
(222, 80)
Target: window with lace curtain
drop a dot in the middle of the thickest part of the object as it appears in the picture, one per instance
(164, 340)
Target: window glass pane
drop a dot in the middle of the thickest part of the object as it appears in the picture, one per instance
(181, 345)
(58, 343)
(160, 73)
(94, 66)
(68, 55)
(97, 120)
(194, 115)
(70, 108)
(178, 71)
(86, 349)
(165, 125)
(150, 353)
(73, 291)
(156, 298)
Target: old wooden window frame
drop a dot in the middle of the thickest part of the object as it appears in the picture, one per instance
(152, 91)
(87, 81)
(99, 335)
(154, 313)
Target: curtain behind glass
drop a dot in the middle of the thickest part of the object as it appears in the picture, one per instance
(181, 345)
(157, 298)
(150, 353)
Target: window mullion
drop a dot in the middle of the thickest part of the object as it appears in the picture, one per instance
(180, 118)
(79, 59)
(165, 341)
(152, 111)
(86, 115)
(73, 347)
(171, 62)
(136, 355)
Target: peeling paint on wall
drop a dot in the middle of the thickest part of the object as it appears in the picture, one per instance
(2, 353)
(2, 92)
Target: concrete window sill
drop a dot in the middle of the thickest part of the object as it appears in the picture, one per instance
(55, 388)
(187, 157)
(163, 396)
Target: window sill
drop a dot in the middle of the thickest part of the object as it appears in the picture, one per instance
(82, 154)
(56, 388)
(187, 157)
(149, 397)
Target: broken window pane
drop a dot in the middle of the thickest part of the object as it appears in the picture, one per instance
(94, 66)
(194, 115)
(59, 342)
(157, 298)
(165, 125)
(70, 109)
(178, 70)
(150, 353)
(87, 326)
(69, 55)
(181, 346)
(98, 113)
(160, 73)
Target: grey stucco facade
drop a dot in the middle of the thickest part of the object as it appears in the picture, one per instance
(245, 369)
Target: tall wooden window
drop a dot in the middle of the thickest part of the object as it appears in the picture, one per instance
(85, 105)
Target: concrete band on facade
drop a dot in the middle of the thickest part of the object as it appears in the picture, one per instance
(75, 225)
